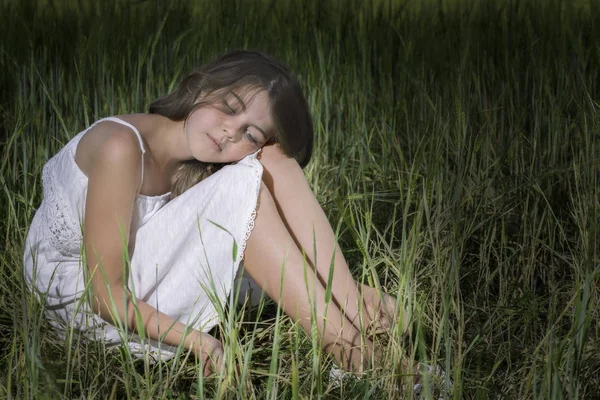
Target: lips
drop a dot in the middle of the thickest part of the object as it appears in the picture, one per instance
(215, 144)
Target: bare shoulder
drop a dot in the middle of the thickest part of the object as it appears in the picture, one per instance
(109, 142)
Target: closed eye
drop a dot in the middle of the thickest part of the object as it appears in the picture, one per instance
(228, 109)
(251, 138)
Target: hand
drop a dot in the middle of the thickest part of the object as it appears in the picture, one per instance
(209, 350)
(381, 309)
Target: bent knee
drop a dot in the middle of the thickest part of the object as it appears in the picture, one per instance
(271, 154)
(265, 197)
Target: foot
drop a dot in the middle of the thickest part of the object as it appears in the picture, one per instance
(432, 377)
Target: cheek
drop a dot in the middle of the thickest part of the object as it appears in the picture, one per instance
(203, 119)
(248, 149)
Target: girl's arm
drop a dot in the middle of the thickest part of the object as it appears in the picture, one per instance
(114, 180)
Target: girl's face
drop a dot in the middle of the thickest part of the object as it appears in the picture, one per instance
(229, 130)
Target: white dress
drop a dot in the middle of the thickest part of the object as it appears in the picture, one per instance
(184, 253)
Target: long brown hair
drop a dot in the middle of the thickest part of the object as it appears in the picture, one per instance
(241, 71)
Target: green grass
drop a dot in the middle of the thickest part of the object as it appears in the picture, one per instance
(457, 154)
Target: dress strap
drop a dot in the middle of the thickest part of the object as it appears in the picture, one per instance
(137, 133)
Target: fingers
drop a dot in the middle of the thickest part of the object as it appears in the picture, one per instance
(213, 361)
(380, 307)
(355, 357)
(388, 309)
(209, 351)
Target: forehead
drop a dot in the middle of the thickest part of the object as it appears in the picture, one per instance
(246, 95)
(256, 104)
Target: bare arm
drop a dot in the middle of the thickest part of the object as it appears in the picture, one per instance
(114, 174)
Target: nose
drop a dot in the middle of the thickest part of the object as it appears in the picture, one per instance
(229, 134)
(232, 132)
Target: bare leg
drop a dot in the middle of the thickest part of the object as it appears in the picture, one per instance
(303, 215)
(268, 249)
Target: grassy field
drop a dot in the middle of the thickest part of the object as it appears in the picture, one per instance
(457, 154)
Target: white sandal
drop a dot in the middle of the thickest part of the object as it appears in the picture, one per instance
(435, 376)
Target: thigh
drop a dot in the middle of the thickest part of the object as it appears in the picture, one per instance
(187, 255)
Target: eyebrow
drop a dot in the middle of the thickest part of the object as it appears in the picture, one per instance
(239, 99)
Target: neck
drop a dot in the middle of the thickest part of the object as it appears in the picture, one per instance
(167, 143)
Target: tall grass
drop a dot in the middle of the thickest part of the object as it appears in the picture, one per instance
(456, 154)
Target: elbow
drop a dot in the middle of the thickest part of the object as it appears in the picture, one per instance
(102, 309)
(111, 304)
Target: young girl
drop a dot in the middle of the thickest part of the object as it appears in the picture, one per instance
(146, 218)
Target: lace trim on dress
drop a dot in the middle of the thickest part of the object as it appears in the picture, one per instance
(63, 231)
(249, 226)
